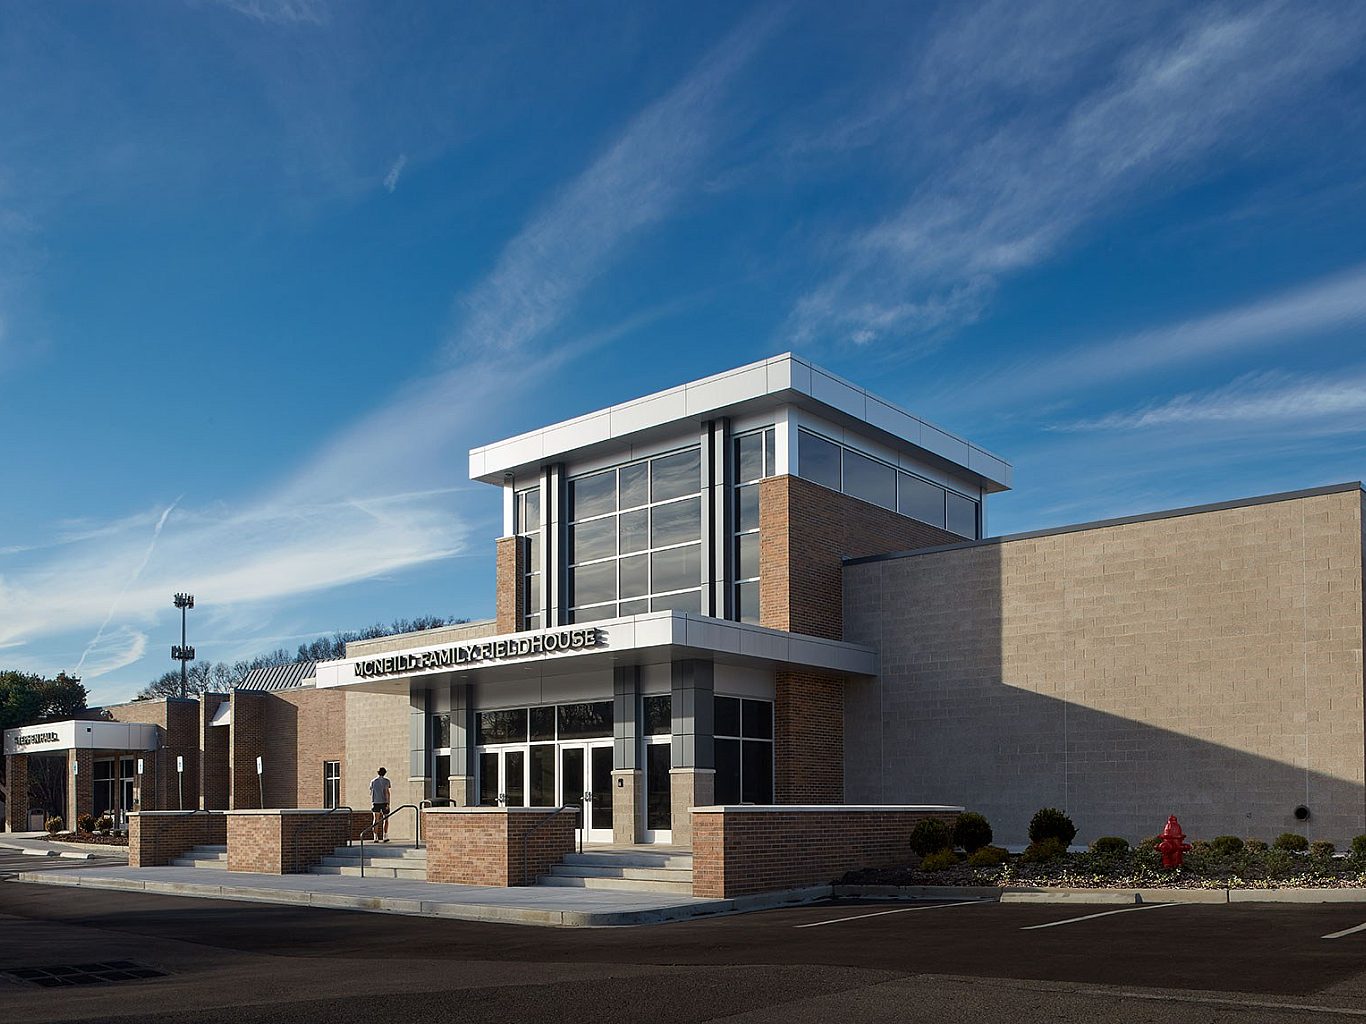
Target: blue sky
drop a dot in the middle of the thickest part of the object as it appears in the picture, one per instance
(269, 268)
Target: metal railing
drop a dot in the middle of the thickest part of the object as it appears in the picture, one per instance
(417, 830)
(576, 807)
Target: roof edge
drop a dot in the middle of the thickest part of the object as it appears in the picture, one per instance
(1100, 524)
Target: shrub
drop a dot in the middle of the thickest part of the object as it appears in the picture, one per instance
(86, 823)
(1226, 846)
(971, 831)
(1041, 851)
(930, 835)
(1291, 842)
(1322, 849)
(940, 860)
(1110, 846)
(1051, 823)
(1202, 847)
(104, 823)
(988, 857)
(1359, 847)
(1280, 863)
(1255, 846)
(55, 824)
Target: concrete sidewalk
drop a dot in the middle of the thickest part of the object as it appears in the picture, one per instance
(30, 843)
(534, 905)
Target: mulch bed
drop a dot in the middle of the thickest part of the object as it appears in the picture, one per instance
(88, 839)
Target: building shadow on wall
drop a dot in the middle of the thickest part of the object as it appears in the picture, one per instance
(944, 724)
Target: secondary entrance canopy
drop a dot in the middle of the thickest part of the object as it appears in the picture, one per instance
(78, 735)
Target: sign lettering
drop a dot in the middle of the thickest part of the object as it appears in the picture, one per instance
(35, 737)
(473, 654)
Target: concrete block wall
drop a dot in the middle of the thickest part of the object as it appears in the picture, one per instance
(1206, 664)
(484, 845)
(738, 851)
(158, 837)
(377, 735)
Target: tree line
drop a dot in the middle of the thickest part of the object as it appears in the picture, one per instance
(222, 676)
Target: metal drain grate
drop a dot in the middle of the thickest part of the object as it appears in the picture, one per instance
(64, 975)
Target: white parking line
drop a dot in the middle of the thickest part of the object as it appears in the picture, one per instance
(1092, 917)
(1345, 931)
(883, 913)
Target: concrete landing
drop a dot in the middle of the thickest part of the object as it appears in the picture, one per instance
(533, 905)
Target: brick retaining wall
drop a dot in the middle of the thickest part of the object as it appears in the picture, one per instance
(748, 849)
(158, 837)
(287, 841)
(483, 845)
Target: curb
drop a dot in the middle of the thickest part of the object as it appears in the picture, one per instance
(1107, 897)
(919, 892)
(425, 908)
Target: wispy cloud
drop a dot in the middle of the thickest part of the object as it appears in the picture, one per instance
(1320, 307)
(1260, 400)
(280, 12)
(637, 181)
(395, 172)
(998, 196)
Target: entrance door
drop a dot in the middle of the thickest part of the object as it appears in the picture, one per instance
(658, 795)
(127, 767)
(586, 776)
(502, 777)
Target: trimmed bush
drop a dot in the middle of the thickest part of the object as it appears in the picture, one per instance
(940, 860)
(55, 824)
(1226, 846)
(971, 831)
(1051, 823)
(104, 823)
(1322, 849)
(989, 857)
(1280, 863)
(86, 823)
(1110, 846)
(1203, 847)
(1042, 851)
(1291, 842)
(1359, 847)
(1255, 846)
(930, 835)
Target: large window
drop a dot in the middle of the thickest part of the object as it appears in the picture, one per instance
(527, 508)
(331, 783)
(635, 538)
(744, 751)
(550, 722)
(843, 469)
(754, 460)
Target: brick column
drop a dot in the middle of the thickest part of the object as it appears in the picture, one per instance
(245, 744)
(808, 738)
(214, 774)
(502, 846)
(285, 841)
(509, 584)
(16, 805)
(158, 837)
(80, 785)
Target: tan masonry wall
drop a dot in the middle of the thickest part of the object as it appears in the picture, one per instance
(377, 736)
(1207, 665)
(484, 846)
(738, 851)
(455, 634)
(156, 838)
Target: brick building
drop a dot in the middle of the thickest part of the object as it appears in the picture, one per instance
(771, 587)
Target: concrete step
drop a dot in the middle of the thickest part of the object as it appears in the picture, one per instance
(616, 871)
(628, 884)
(374, 853)
(221, 863)
(336, 861)
(630, 859)
(208, 849)
(418, 873)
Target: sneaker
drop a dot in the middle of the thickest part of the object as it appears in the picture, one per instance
(385, 839)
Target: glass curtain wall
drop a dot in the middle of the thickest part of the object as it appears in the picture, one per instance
(527, 510)
(635, 538)
(754, 460)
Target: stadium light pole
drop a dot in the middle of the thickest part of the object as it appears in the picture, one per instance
(183, 652)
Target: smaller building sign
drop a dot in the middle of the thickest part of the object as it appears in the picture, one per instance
(457, 655)
(35, 738)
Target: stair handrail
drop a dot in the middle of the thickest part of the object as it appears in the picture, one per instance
(417, 830)
(576, 807)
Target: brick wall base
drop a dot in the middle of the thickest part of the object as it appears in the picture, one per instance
(484, 845)
(158, 837)
(742, 850)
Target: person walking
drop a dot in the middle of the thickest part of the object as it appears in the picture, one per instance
(379, 804)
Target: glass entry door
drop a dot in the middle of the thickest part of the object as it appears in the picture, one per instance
(502, 777)
(586, 777)
(127, 765)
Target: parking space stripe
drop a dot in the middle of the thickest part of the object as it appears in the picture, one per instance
(1345, 931)
(884, 913)
(1092, 917)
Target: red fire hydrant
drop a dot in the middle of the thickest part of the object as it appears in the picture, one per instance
(1172, 844)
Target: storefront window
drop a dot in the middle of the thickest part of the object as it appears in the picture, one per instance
(744, 751)
(502, 726)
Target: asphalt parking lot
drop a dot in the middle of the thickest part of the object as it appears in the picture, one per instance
(852, 960)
